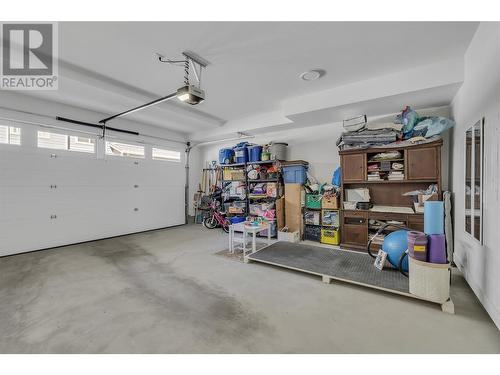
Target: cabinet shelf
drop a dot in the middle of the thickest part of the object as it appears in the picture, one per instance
(379, 161)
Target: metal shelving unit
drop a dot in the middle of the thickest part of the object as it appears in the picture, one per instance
(248, 182)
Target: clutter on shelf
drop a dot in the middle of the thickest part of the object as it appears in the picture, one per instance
(321, 212)
(408, 128)
(421, 196)
(251, 183)
(245, 152)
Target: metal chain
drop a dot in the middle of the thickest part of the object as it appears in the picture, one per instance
(186, 72)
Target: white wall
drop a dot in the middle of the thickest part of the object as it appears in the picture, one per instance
(317, 145)
(480, 96)
(97, 195)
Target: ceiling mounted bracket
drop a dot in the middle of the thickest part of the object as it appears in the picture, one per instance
(190, 94)
(197, 63)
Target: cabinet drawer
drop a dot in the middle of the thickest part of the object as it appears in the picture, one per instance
(358, 221)
(388, 216)
(355, 214)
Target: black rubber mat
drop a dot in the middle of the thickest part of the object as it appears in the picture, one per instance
(347, 265)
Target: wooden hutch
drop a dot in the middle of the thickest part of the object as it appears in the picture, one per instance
(422, 167)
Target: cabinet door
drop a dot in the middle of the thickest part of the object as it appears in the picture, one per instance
(423, 163)
(355, 235)
(353, 167)
(354, 229)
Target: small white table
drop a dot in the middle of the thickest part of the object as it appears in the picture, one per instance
(246, 229)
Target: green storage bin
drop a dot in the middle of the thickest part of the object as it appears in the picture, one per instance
(313, 200)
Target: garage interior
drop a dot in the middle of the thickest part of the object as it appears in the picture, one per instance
(190, 194)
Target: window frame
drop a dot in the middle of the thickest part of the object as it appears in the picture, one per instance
(67, 142)
(9, 135)
(127, 143)
(153, 148)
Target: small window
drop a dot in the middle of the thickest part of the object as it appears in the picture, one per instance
(10, 135)
(52, 140)
(162, 154)
(65, 142)
(81, 144)
(124, 149)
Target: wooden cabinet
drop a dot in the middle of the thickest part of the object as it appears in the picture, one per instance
(422, 163)
(416, 222)
(353, 167)
(354, 228)
(421, 168)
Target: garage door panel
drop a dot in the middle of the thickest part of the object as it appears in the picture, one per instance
(162, 173)
(25, 202)
(89, 198)
(19, 169)
(16, 238)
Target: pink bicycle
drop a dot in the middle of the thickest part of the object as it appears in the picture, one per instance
(216, 218)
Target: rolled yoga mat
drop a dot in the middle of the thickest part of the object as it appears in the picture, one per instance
(434, 217)
(417, 245)
(436, 248)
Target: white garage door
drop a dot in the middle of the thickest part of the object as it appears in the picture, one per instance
(58, 188)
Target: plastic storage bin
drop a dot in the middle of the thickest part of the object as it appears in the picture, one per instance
(226, 155)
(312, 218)
(254, 153)
(329, 236)
(330, 218)
(313, 200)
(237, 219)
(241, 154)
(330, 202)
(429, 281)
(295, 174)
(312, 233)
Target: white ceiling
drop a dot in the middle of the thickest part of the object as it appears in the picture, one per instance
(110, 67)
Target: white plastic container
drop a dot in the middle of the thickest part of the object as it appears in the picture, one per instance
(289, 236)
(349, 205)
(429, 281)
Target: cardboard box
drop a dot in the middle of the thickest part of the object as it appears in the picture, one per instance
(280, 212)
(294, 201)
(421, 199)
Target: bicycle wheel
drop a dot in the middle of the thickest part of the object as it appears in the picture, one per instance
(210, 222)
(226, 225)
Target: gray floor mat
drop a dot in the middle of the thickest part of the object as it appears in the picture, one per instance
(357, 267)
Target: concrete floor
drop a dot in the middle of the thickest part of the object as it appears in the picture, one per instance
(166, 292)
